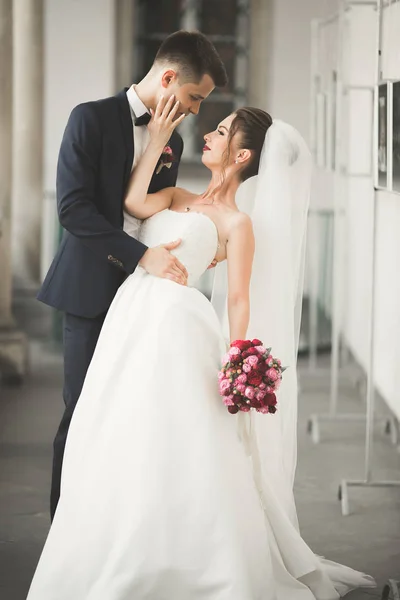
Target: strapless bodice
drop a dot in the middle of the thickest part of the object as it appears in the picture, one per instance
(196, 230)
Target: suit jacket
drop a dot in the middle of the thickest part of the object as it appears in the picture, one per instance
(94, 166)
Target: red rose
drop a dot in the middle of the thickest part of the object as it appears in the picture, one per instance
(254, 378)
(272, 409)
(256, 342)
(262, 367)
(233, 409)
(236, 359)
(241, 344)
(270, 399)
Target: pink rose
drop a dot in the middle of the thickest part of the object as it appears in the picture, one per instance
(234, 351)
(272, 374)
(261, 349)
(242, 378)
(224, 387)
(167, 150)
(221, 375)
(269, 362)
(249, 393)
(260, 395)
(278, 384)
(225, 359)
(252, 360)
(245, 408)
(246, 368)
(229, 400)
(269, 389)
(263, 409)
(240, 387)
(262, 386)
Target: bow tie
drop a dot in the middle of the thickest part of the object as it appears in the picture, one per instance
(142, 120)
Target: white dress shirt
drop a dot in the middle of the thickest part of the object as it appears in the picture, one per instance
(140, 134)
(141, 139)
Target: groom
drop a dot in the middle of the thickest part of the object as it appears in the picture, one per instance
(102, 144)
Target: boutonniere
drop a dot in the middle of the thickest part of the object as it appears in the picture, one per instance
(166, 159)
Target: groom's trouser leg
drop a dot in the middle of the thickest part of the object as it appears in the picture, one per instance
(80, 338)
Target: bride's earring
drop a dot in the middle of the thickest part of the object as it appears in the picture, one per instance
(236, 162)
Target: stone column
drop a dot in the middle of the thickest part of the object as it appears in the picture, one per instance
(261, 42)
(13, 347)
(124, 41)
(28, 141)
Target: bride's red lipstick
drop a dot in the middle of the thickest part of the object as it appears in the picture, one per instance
(206, 148)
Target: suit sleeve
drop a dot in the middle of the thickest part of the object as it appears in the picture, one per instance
(77, 172)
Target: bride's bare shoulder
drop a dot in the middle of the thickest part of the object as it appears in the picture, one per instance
(240, 222)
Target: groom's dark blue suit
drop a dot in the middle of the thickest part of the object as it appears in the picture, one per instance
(95, 255)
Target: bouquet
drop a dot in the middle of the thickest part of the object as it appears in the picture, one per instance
(249, 377)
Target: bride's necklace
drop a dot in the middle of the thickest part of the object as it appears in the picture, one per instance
(189, 208)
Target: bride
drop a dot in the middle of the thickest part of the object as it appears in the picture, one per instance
(174, 498)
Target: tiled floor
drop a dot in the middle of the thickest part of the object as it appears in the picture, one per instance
(368, 539)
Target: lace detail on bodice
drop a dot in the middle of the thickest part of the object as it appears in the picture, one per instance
(196, 230)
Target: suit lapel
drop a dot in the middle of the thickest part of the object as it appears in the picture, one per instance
(127, 132)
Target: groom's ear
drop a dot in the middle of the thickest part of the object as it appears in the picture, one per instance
(169, 76)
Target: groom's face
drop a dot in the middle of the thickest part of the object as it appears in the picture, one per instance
(190, 94)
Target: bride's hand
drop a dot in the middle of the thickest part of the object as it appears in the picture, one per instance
(162, 122)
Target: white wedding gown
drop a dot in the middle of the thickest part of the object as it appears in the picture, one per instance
(158, 500)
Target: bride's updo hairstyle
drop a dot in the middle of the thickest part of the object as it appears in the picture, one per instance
(249, 126)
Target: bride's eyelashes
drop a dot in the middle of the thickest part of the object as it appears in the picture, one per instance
(220, 132)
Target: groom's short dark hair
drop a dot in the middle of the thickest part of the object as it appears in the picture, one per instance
(195, 55)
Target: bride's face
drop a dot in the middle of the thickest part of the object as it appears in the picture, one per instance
(216, 144)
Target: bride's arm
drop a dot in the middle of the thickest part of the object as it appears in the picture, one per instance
(138, 202)
(240, 253)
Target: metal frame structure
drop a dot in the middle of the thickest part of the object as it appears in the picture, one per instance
(333, 415)
(314, 282)
(368, 481)
(391, 590)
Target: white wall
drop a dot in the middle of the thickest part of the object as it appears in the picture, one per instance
(358, 199)
(289, 97)
(289, 64)
(79, 66)
(387, 313)
(360, 212)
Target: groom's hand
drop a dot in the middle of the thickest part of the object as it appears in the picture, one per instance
(160, 262)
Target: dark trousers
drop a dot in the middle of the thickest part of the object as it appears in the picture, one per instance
(80, 339)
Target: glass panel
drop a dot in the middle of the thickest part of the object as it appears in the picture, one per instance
(211, 113)
(218, 18)
(161, 16)
(227, 52)
(148, 51)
